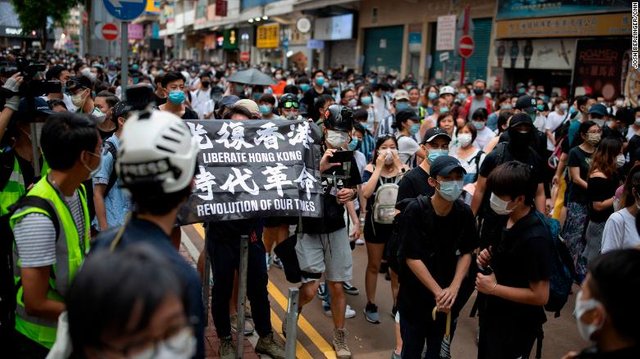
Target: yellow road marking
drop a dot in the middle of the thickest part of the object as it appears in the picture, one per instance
(301, 352)
(200, 229)
(317, 339)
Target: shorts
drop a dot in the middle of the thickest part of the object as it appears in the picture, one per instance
(327, 253)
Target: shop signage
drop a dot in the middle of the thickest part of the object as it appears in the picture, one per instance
(514, 9)
(221, 8)
(568, 26)
(253, 169)
(334, 28)
(547, 54)
(599, 67)
(446, 33)
(230, 41)
(268, 36)
(136, 31)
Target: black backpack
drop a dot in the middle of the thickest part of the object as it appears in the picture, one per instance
(8, 288)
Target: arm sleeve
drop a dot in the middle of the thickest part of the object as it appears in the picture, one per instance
(574, 159)
(35, 238)
(104, 173)
(489, 163)
(613, 233)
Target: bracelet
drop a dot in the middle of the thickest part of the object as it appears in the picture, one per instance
(494, 287)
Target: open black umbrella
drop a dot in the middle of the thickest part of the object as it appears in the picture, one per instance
(251, 77)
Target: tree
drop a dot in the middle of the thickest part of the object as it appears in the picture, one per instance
(33, 14)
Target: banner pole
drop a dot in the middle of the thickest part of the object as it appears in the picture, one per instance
(242, 293)
(292, 324)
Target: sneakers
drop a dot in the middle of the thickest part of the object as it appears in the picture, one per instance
(340, 344)
(348, 312)
(276, 262)
(271, 345)
(371, 313)
(227, 350)
(322, 291)
(349, 289)
(248, 327)
(360, 242)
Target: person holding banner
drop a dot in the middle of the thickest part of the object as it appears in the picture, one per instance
(324, 244)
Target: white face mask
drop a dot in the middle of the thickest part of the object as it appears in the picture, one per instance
(388, 160)
(464, 139)
(98, 115)
(499, 206)
(583, 306)
(78, 99)
(337, 139)
(179, 346)
(620, 160)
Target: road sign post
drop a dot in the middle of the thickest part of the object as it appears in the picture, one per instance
(125, 10)
(465, 29)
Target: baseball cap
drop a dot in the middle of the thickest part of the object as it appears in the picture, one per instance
(39, 104)
(447, 90)
(405, 115)
(434, 133)
(520, 118)
(122, 109)
(525, 102)
(76, 83)
(248, 105)
(401, 95)
(444, 165)
(598, 109)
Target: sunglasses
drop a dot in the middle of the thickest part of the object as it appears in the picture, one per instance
(290, 104)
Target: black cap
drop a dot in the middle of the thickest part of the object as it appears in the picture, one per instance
(525, 102)
(39, 105)
(339, 118)
(444, 165)
(434, 133)
(121, 109)
(520, 118)
(405, 115)
(360, 114)
(598, 109)
(81, 82)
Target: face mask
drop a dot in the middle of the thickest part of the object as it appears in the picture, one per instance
(433, 154)
(540, 108)
(352, 103)
(600, 122)
(87, 72)
(464, 139)
(98, 115)
(521, 90)
(594, 138)
(278, 77)
(450, 190)
(305, 87)
(444, 109)
(506, 107)
(572, 110)
(583, 306)
(462, 97)
(205, 84)
(366, 100)
(402, 106)
(180, 346)
(78, 100)
(637, 121)
(479, 125)
(433, 95)
(414, 128)
(353, 145)
(265, 109)
(176, 97)
(112, 73)
(337, 139)
(320, 81)
(620, 160)
(92, 172)
(478, 92)
(499, 206)
(564, 107)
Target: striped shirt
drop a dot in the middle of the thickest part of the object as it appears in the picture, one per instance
(36, 239)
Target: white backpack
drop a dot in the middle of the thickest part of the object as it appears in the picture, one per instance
(384, 205)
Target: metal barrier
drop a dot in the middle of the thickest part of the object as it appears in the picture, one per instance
(292, 324)
(242, 293)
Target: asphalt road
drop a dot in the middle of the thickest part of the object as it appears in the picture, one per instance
(315, 329)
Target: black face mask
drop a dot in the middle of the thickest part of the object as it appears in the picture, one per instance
(478, 92)
(520, 141)
(205, 84)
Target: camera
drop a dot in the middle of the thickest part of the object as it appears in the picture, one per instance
(33, 84)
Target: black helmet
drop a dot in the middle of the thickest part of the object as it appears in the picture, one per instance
(339, 118)
(289, 100)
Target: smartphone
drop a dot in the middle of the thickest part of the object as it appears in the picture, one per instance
(341, 157)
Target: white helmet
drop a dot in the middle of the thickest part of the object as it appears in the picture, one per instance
(157, 148)
(447, 90)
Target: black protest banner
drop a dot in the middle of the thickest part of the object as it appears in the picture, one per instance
(256, 168)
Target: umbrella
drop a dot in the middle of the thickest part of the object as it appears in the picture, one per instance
(251, 77)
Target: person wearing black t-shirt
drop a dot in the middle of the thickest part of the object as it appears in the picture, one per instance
(438, 234)
(580, 159)
(323, 246)
(601, 189)
(516, 267)
(606, 313)
(309, 97)
(520, 132)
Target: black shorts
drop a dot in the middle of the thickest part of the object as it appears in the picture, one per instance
(380, 235)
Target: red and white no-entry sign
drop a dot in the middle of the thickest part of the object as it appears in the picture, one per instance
(466, 46)
(245, 56)
(110, 31)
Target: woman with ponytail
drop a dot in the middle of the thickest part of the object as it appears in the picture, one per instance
(623, 227)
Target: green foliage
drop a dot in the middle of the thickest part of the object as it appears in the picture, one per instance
(33, 13)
